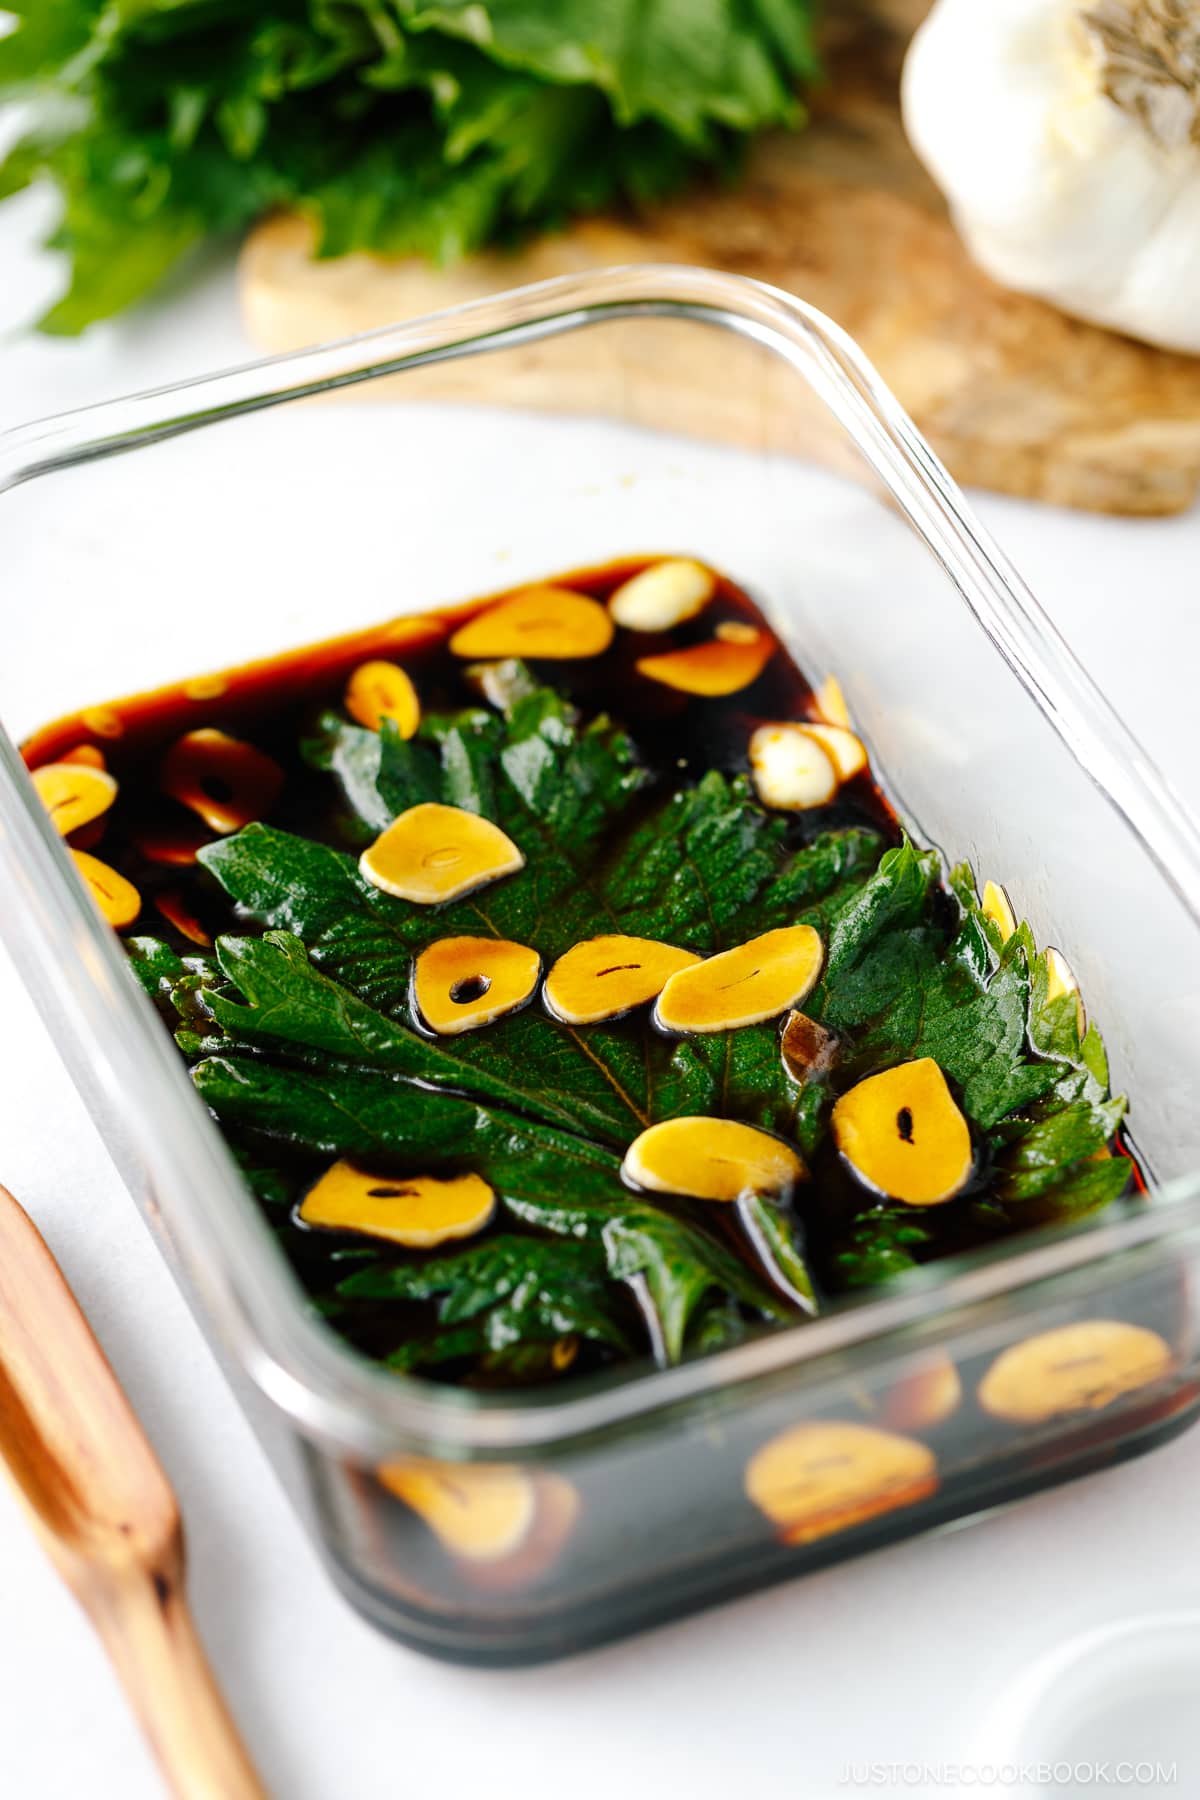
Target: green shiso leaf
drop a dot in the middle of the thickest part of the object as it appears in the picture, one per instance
(703, 868)
(306, 1047)
(397, 126)
(505, 1291)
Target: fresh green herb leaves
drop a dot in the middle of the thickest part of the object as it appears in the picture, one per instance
(677, 1264)
(307, 1048)
(554, 1180)
(773, 1235)
(155, 964)
(905, 991)
(901, 983)
(499, 1293)
(703, 868)
(398, 126)
(881, 1243)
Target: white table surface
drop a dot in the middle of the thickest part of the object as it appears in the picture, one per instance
(892, 1658)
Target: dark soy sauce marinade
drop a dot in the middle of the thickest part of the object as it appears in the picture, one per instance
(839, 1234)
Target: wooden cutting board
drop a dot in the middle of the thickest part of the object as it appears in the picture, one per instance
(1014, 395)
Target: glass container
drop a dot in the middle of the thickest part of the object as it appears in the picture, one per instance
(202, 527)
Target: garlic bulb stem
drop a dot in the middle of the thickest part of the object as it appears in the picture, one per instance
(1149, 52)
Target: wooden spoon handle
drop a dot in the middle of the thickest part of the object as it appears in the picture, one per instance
(149, 1633)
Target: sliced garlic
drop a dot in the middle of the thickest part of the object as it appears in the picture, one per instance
(206, 687)
(478, 1510)
(903, 1135)
(500, 683)
(711, 1159)
(434, 853)
(607, 976)
(383, 690)
(1074, 1368)
(223, 779)
(923, 1397)
(461, 983)
(846, 752)
(73, 794)
(171, 904)
(809, 1051)
(997, 907)
(1061, 980)
(117, 898)
(103, 721)
(825, 1476)
(551, 623)
(830, 703)
(418, 1211)
(176, 846)
(792, 769)
(663, 595)
(755, 981)
(90, 756)
(505, 1525)
(723, 665)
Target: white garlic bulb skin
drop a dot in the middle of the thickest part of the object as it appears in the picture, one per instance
(1058, 188)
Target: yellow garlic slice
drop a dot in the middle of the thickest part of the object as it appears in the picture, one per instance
(174, 845)
(663, 595)
(551, 623)
(724, 665)
(91, 756)
(117, 898)
(997, 907)
(1061, 980)
(845, 750)
(903, 1135)
(478, 1510)
(791, 768)
(926, 1394)
(505, 1525)
(73, 793)
(1074, 1368)
(604, 977)
(223, 779)
(830, 703)
(383, 690)
(461, 983)
(417, 1211)
(173, 907)
(434, 853)
(711, 1159)
(826, 1476)
(755, 981)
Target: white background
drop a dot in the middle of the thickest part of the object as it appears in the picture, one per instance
(893, 1658)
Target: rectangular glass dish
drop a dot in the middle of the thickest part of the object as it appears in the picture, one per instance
(582, 421)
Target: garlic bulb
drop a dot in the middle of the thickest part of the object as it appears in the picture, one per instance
(1066, 137)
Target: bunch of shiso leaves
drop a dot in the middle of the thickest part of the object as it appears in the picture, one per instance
(405, 126)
